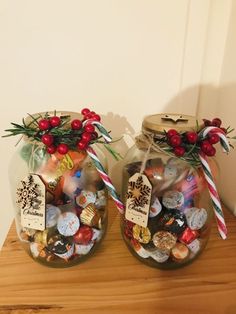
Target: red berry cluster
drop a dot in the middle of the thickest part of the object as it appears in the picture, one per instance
(82, 134)
(206, 145)
(182, 143)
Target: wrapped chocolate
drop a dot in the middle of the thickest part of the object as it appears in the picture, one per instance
(41, 237)
(61, 247)
(164, 240)
(173, 199)
(160, 256)
(90, 216)
(180, 252)
(139, 249)
(143, 235)
(85, 198)
(68, 224)
(82, 249)
(194, 246)
(196, 217)
(173, 221)
(36, 249)
(188, 236)
(84, 235)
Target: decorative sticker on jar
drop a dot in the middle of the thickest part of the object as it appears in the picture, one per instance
(30, 198)
(138, 199)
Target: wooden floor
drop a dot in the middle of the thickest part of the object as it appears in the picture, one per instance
(113, 281)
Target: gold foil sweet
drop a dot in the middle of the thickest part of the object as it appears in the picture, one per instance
(41, 237)
(90, 216)
(143, 235)
(164, 240)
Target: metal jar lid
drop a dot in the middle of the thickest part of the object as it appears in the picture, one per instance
(166, 121)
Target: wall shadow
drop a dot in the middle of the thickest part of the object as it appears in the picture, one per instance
(122, 133)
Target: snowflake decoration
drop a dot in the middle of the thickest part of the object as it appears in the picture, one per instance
(27, 195)
(138, 193)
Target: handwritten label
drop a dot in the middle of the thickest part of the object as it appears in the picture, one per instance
(138, 199)
(30, 199)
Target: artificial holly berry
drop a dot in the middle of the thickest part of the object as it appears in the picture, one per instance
(171, 133)
(86, 137)
(213, 138)
(84, 235)
(43, 124)
(62, 148)
(76, 124)
(85, 111)
(192, 137)
(179, 151)
(207, 122)
(211, 152)
(47, 139)
(88, 116)
(216, 122)
(55, 121)
(206, 147)
(51, 149)
(89, 128)
(96, 117)
(175, 140)
(82, 145)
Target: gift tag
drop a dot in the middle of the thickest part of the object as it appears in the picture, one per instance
(138, 199)
(30, 198)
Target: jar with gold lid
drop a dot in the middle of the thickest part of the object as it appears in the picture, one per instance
(168, 209)
(59, 196)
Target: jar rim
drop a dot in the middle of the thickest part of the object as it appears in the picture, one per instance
(72, 114)
(166, 121)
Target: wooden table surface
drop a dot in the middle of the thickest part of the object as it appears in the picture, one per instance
(113, 281)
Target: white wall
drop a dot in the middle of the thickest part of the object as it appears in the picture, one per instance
(123, 58)
(221, 101)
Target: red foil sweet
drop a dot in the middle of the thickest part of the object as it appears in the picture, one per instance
(188, 235)
(128, 229)
(84, 235)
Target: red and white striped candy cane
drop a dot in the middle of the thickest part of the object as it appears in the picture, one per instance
(210, 181)
(105, 179)
(101, 129)
(100, 167)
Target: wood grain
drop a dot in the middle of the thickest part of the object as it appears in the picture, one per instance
(113, 281)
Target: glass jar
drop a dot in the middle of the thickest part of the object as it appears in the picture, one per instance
(60, 202)
(179, 213)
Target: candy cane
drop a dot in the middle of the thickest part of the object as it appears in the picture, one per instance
(101, 129)
(210, 181)
(105, 179)
(224, 142)
(99, 166)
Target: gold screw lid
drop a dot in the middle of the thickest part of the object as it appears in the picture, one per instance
(167, 121)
